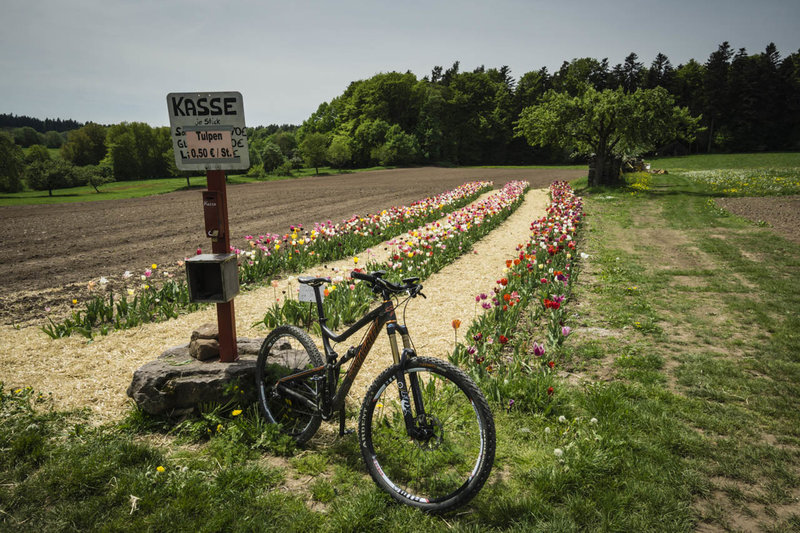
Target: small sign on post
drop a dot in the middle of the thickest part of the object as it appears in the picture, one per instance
(208, 133)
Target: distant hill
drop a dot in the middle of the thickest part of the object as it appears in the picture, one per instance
(8, 120)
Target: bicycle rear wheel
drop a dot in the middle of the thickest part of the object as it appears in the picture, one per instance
(448, 461)
(288, 350)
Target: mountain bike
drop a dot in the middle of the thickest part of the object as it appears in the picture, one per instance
(425, 430)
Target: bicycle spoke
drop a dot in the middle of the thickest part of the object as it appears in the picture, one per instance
(447, 450)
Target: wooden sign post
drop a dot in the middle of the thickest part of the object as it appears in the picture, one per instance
(226, 317)
(209, 133)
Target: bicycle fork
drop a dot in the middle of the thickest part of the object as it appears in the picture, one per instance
(401, 359)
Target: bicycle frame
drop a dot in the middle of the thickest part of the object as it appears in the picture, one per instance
(332, 397)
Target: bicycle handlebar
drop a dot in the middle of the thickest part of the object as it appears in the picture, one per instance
(375, 279)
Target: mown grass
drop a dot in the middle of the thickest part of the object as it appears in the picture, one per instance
(679, 408)
(701, 309)
(120, 190)
(727, 161)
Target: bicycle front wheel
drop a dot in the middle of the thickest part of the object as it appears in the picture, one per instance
(446, 458)
(289, 350)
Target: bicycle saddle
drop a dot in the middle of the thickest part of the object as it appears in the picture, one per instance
(313, 282)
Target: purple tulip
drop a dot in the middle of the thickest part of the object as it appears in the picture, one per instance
(566, 330)
(538, 349)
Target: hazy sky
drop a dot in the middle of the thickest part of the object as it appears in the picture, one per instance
(110, 61)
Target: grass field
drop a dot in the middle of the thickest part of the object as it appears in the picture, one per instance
(728, 161)
(136, 189)
(678, 408)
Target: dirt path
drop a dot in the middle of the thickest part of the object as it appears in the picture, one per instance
(95, 374)
(48, 253)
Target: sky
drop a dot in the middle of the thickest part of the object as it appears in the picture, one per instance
(111, 61)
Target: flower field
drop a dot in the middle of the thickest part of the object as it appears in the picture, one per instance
(512, 346)
(418, 253)
(300, 248)
(161, 294)
(749, 182)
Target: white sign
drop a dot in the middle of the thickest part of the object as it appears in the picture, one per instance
(306, 294)
(208, 131)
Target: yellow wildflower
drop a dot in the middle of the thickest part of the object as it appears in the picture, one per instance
(160, 468)
(236, 412)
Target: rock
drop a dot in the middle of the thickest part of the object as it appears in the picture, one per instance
(204, 349)
(177, 383)
(206, 331)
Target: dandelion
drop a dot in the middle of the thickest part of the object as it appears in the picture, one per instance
(219, 428)
(593, 421)
(547, 430)
(562, 419)
(558, 452)
(74, 301)
(160, 468)
(236, 412)
(154, 266)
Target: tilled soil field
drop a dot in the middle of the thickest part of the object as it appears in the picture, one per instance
(48, 253)
(780, 212)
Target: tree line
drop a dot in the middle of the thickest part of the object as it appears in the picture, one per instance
(11, 121)
(744, 103)
(732, 102)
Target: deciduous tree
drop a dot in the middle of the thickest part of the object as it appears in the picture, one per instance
(314, 149)
(85, 146)
(606, 124)
(12, 165)
(49, 175)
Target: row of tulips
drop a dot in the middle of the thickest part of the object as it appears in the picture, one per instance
(417, 253)
(528, 301)
(161, 294)
(300, 248)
